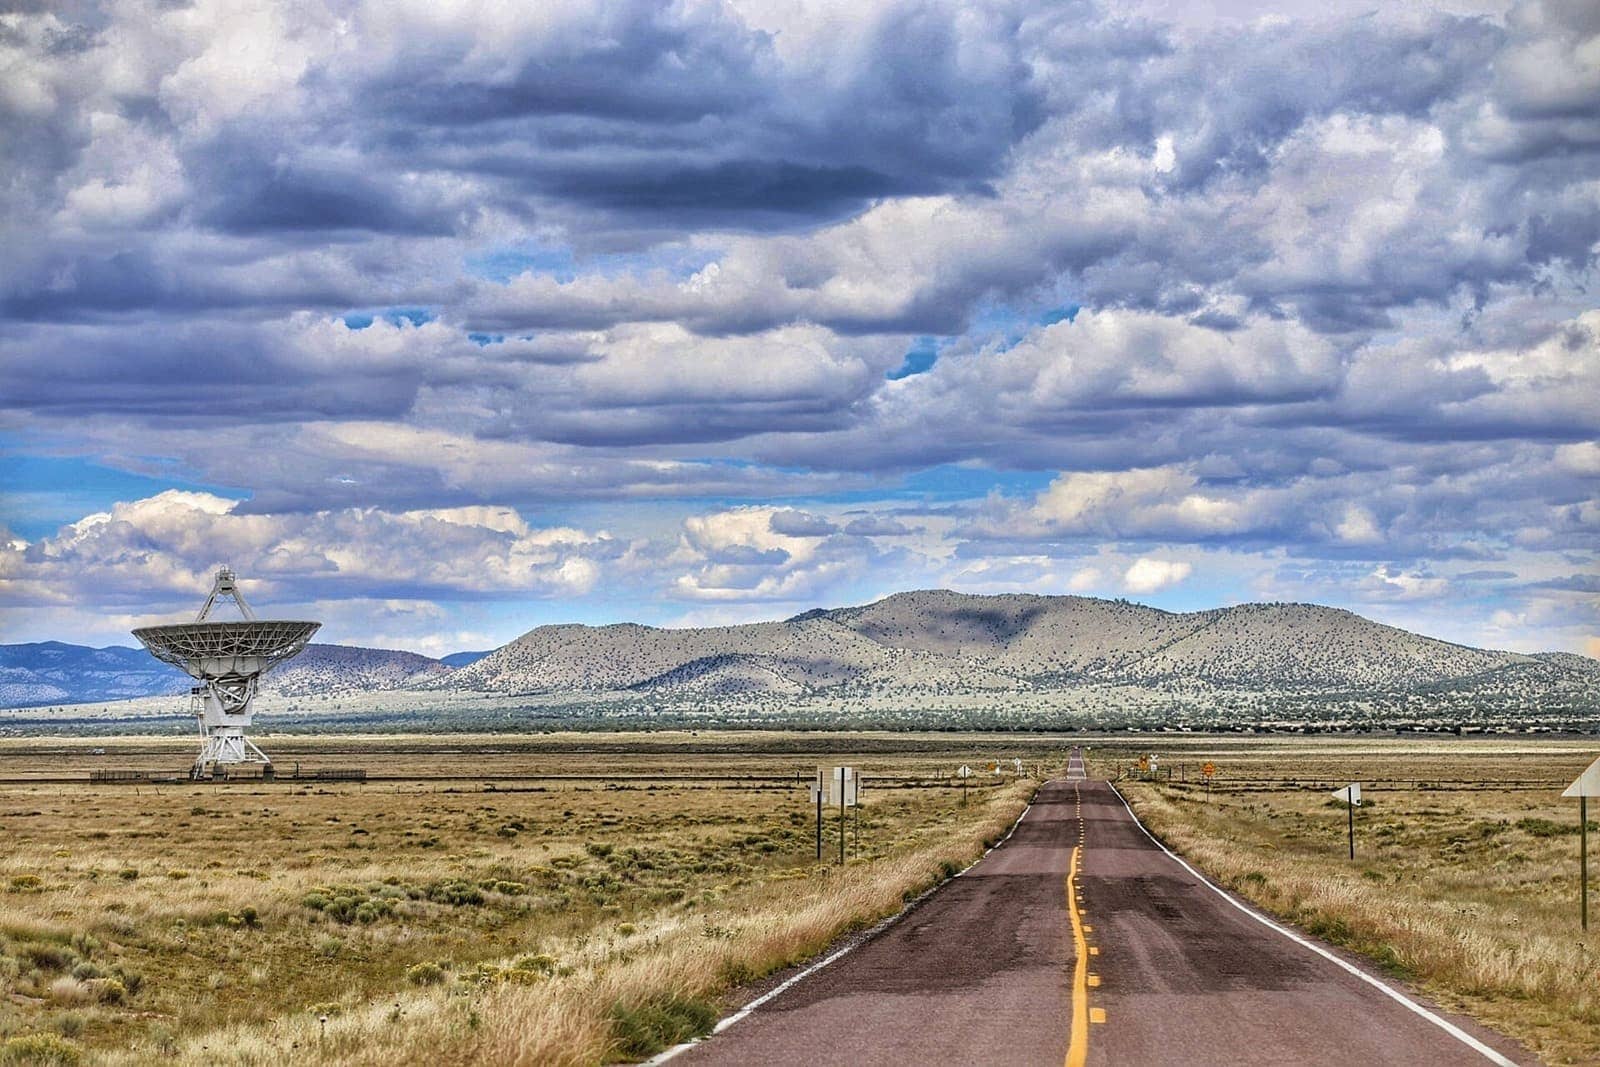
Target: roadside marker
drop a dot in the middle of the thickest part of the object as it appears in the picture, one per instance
(1585, 786)
(1351, 795)
(1400, 998)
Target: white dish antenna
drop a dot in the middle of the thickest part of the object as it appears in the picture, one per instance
(228, 659)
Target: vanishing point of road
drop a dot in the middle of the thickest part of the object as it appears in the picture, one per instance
(1080, 940)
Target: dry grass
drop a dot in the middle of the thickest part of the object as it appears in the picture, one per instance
(1466, 877)
(560, 923)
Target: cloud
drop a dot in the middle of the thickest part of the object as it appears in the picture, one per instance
(658, 264)
(165, 547)
(1388, 583)
(1149, 575)
(794, 523)
(877, 526)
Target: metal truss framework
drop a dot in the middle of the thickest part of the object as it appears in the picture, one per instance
(228, 659)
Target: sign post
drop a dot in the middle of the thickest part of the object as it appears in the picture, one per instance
(1585, 786)
(841, 772)
(1208, 771)
(844, 785)
(1351, 795)
(816, 796)
(963, 772)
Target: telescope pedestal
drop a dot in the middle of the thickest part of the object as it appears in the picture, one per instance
(223, 746)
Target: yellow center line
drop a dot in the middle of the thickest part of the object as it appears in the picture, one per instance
(1078, 1049)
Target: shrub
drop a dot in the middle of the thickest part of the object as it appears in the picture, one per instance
(641, 1030)
(315, 901)
(107, 990)
(128, 874)
(425, 974)
(457, 893)
(27, 883)
(543, 963)
(70, 991)
(40, 1050)
(46, 956)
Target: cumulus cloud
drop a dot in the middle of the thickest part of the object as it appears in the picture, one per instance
(1167, 293)
(1149, 575)
(166, 546)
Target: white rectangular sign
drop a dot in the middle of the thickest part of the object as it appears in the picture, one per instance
(841, 782)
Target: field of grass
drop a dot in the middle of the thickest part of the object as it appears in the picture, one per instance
(531, 919)
(1466, 872)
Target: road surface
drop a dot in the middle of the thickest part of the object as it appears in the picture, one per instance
(1080, 941)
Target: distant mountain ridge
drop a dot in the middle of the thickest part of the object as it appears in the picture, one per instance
(53, 672)
(924, 642)
(939, 639)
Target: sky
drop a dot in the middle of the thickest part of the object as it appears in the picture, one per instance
(440, 320)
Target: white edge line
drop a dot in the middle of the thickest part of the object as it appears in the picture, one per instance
(723, 1024)
(1444, 1024)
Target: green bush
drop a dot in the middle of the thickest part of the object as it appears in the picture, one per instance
(457, 893)
(46, 956)
(542, 963)
(27, 883)
(641, 1030)
(40, 1050)
(107, 990)
(425, 974)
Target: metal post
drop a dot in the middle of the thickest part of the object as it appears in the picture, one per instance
(819, 816)
(841, 816)
(1350, 807)
(1583, 858)
(858, 813)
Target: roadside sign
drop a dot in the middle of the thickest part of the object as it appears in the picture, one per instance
(1351, 795)
(1585, 786)
(841, 788)
(1017, 763)
(1209, 769)
(844, 787)
(963, 771)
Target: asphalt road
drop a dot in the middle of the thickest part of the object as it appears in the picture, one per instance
(1080, 941)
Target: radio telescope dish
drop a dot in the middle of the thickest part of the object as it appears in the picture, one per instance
(228, 659)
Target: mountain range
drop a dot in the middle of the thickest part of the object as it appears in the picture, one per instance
(51, 672)
(932, 641)
(939, 639)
